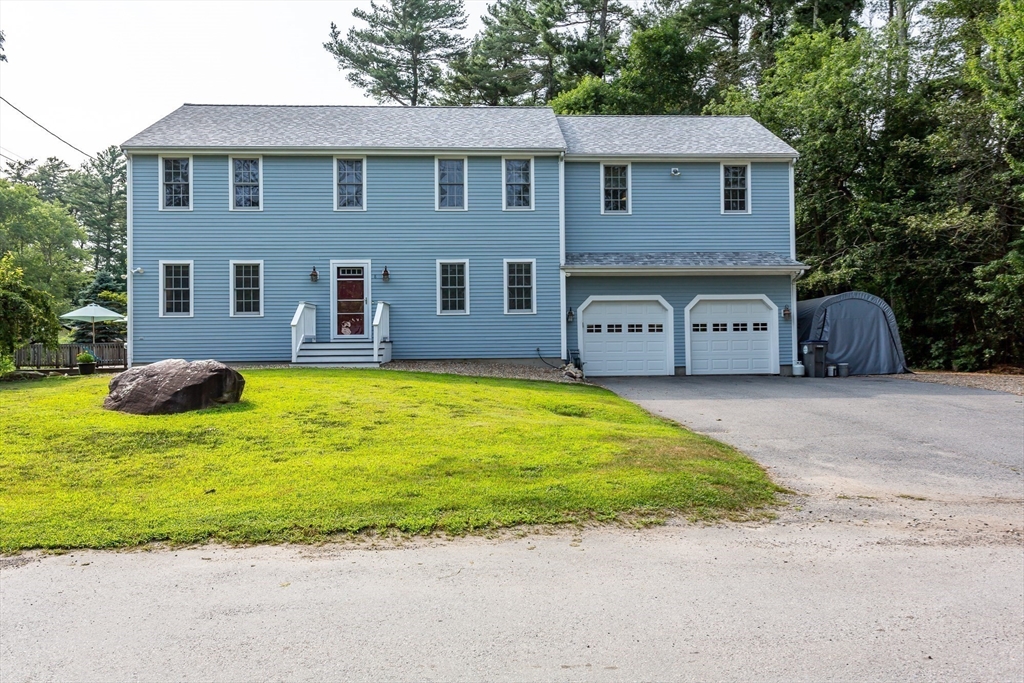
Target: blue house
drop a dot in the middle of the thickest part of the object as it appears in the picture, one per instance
(643, 245)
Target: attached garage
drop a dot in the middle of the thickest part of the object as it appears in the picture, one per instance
(732, 335)
(626, 336)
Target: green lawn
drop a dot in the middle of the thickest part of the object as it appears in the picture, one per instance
(313, 452)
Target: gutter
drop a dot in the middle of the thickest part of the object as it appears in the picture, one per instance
(798, 271)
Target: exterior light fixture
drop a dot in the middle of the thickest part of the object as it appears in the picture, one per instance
(313, 275)
(137, 271)
(674, 172)
(385, 276)
(569, 315)
(786, 313)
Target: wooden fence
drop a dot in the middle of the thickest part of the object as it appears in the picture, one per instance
(108, 354)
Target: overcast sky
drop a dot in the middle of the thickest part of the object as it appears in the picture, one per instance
(96, 73)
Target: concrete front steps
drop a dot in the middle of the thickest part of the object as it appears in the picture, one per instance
(344, 354)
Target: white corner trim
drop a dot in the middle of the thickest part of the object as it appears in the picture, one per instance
(334, 187)
(533, 284)
(191, 287)
(231, 181)
(465, 182)
(792, 318)
(160, 182)
(367, 298)
(773, 323)
(670, 328)
(721, 189)
(562, 294)
(792, 215)
(533, 183)
(629, 187)
(231, 288)
(437, 274)
(131, 264)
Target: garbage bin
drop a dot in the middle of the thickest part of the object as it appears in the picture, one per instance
(812, 352)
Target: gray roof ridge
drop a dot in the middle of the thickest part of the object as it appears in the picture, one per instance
(359, 106)
(653, 116)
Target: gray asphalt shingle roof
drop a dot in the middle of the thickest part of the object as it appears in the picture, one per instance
(686, 136)
(204, 126)
(259, 126)
(681, 259)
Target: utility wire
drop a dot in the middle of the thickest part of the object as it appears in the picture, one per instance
(46, 129)
(8, 158)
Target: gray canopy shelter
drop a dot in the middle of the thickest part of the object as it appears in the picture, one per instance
(860, 330)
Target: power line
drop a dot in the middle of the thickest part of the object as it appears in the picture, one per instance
(46, 129)
(11, 151)
(8, 158)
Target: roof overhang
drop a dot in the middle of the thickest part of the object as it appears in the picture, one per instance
(682, 270)
(333, 151)
(680, 158)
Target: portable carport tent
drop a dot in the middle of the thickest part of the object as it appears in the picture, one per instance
(860, 330)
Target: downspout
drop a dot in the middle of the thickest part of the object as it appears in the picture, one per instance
(561, 257)
(792, 255)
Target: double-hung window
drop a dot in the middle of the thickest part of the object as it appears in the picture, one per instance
(518, 183)
(349, 184)
(246, 183)
(453, 287)
(735, 188)
(176, 289)
(615, 188)
(175, 183)
(520, 289)
(450, 184)
(246, 288)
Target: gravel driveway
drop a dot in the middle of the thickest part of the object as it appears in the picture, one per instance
(899, 557)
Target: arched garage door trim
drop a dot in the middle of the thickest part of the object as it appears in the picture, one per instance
(773, 323)
(669, 322)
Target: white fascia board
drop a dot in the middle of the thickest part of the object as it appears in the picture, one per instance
(355, 150)
(681, 158)
(654, 270)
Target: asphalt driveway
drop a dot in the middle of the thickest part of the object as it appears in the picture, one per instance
(858, 436)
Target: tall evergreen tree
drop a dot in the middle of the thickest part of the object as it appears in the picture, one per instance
(400, 55)
(100, 200)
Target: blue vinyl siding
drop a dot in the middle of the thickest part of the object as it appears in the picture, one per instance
(299, 229)
(677, 213)
(679, 292)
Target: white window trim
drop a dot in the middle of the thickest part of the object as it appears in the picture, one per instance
(465, 263)
(231, 287)
(533, 280)
(465, 183)
(533, 184)
(773, 324)
(231, 182)
(160, 182)
(191, 288)
(629, 187)
(721, 188)
(334, 186)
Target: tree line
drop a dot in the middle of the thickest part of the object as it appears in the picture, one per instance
(908, 116)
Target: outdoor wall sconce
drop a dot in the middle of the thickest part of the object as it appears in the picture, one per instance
(313, 275)
(569, 315)
(385, 276)
(786, 313)
(137, 271)
(674, 172)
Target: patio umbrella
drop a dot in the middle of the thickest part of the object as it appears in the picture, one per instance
(91, 314)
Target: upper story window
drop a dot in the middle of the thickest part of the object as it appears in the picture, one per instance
(176, 183)
(735, 187)
(518, 183)
(453, 287)
(175, 289)
(615, 188)
(349, 184)
(451, 184)
(246, 185)
(520, 292)
(247, 288)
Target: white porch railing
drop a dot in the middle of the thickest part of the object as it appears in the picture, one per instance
(381, 330)
(303, 326)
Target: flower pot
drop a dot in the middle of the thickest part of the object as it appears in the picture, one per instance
(86, 368)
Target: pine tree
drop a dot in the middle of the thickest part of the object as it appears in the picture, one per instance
(399, 56)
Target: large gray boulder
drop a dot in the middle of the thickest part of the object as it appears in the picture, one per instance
(174, 386)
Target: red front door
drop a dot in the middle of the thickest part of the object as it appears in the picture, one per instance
(350, 288)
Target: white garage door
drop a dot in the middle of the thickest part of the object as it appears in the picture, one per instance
(626, 338)
(731, 337)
